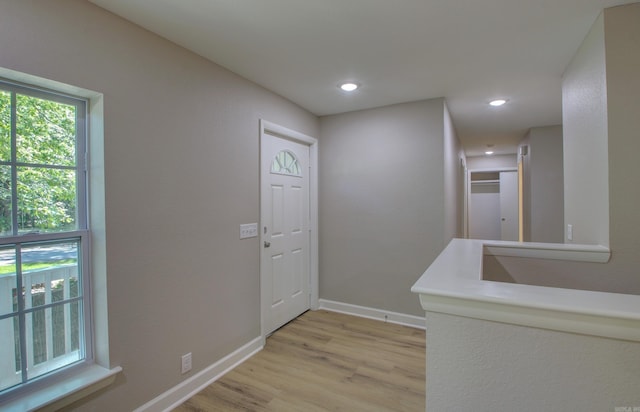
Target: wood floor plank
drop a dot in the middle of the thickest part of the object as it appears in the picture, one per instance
(325, 361)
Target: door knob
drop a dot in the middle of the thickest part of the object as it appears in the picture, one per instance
(267, 244)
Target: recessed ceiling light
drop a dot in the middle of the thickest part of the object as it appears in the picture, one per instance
(489, 150)
(497, 102)
(348, 87)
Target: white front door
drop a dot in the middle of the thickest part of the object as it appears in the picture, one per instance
(284, 219)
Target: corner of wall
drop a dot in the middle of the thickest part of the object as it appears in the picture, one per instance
(585, 151)
(454, 174)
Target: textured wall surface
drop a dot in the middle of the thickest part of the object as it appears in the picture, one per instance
(584, 120)
(601, 103)
(482, 366)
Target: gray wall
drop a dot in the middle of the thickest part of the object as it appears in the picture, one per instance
(584, 121)
(601, 117)
(382, 203)
(181, 174)
(551, 273)
(622, 37)
(454, 160)
(544, 196)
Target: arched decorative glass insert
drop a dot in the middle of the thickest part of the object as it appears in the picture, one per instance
(285, 163)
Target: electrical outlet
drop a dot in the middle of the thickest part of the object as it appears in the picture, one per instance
(186, 363)
(248, 230)
(569, 232)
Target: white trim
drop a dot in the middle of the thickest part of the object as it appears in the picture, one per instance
(66, 390)
(372, 313)
(180, 393)
(557, 251)
(453, 284)
(99, 373)
(281, 131)
(542, 318)
(493, 169)
(314, 241)
(467, 190)
(465, 204)
(273, 129)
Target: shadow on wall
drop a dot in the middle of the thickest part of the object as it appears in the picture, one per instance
(549, 273)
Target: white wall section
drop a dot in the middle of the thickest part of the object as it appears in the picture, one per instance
(494, 346)
(478, 365)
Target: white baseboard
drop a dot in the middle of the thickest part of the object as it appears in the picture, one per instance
(371, 313)
(186, 389)
(180, 393)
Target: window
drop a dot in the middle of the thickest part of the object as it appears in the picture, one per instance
(43, 234)
(285, 163)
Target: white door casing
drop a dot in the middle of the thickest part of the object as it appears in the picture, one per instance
(483, 220)
(288, 221)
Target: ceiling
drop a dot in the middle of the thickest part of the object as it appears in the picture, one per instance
(467, 51)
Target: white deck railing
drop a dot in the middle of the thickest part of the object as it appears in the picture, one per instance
(49, 337)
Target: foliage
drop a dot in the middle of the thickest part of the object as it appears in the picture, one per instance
(29, 266)
(45, 156)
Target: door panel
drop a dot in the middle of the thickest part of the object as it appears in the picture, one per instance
(484, 211)
(509, 205)
(277, 210)
(285, 230)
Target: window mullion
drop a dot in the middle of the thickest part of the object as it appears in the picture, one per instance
(43, 237)
(14, 170)
(54, 304)
(81, 166)
(22, 324)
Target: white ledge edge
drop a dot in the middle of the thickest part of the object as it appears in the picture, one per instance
(557, 251)
(563, 321)
(453, 285)
(75, 386)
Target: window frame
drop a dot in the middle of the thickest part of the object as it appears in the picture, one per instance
(81, 233)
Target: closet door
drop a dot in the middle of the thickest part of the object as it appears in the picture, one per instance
(509, 205)
(484, 210)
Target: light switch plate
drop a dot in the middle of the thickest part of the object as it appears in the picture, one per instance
(185, 365)
(248, 230)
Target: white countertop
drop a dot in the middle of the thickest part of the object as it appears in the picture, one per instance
(453, 284)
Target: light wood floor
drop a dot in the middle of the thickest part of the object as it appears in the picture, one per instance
(325, 361)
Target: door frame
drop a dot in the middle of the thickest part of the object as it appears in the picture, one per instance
(282, 132)
(467, 190)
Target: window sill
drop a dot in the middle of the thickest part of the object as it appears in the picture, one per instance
(76, 386)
